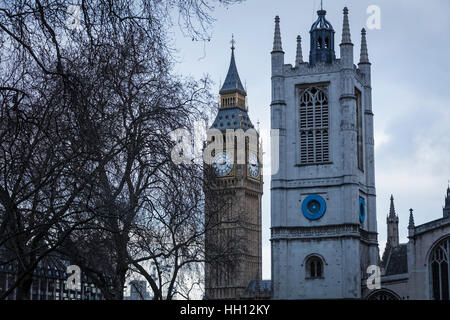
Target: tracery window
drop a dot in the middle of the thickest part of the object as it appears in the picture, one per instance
(314, 114)
(439, 265)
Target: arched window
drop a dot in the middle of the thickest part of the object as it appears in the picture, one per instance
(314, 147)
(319, 43)
(439, 270)
(314, 268)
(383, 295)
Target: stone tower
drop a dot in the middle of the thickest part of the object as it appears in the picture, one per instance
(233, 241)
(392, 226)
(323, 214)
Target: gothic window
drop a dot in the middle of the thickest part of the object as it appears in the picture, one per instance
(439, 270)
(319, 43)
(360, 129)
(382, 295)
(314, 268)
(327, 43)
(314, 141)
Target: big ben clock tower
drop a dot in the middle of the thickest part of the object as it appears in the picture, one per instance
(233, 201)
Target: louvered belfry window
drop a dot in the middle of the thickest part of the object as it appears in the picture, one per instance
(314, 119)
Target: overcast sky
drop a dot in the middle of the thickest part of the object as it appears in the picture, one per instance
(410, 58)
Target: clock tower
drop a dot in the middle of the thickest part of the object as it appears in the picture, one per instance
(234, 184)
(323, 214)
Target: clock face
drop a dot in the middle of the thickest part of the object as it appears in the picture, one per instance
(253, 165)
(222, 164)
(314, 207)
(362, 210)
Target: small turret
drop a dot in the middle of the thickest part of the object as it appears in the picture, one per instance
(364, 55)
(411, 225)
(322, 40)
(446, 209)
(392, 226)
(277, 52)
(277, 46)
(299, 56)
(346, 43)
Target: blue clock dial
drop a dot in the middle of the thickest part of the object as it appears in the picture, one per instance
(314, 207)
(362, 210)
(222, 164)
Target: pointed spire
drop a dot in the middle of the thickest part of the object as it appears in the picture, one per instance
(277, 36)
(446, 208)
(447, 198)
(299, 57)
(411, 219)
(232, 81)
(364, 52)
(346, 37)
(392, 214)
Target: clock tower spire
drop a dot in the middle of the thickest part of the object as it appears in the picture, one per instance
(233, 243)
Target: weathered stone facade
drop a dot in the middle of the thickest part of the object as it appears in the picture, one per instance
(323, 198)
(419, 269)
(323, 214)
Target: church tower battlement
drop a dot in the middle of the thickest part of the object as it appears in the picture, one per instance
(323, 208)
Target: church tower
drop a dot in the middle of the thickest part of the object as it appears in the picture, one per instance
(323, 214)
(233, 211)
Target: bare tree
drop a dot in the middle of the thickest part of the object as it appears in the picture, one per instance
(86, 112)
